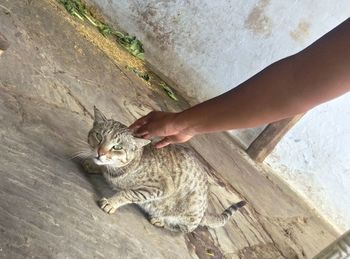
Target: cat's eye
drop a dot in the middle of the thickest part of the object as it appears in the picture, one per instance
(98, 136)
(117, 147)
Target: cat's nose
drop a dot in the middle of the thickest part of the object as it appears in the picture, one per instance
(101, 152)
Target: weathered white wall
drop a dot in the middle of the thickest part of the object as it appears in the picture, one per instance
(207, 47)
(314, 157)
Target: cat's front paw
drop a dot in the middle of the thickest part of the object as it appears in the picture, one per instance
(158, 222)
(107, 206)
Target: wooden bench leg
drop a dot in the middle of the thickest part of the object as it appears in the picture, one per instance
(4, 44)
(263, 145)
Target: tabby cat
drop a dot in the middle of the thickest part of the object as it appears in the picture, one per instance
(169, 184)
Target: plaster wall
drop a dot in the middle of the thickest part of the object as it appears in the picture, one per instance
(207, 47)
(314, 157)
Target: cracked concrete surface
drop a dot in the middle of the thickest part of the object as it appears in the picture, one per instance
(50, 78)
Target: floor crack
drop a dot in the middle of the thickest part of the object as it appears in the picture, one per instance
(77, 101)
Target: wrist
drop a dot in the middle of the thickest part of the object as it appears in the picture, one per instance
(184, 124)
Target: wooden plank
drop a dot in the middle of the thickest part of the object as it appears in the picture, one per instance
(263, 145)
(275, 207)
(47, 203)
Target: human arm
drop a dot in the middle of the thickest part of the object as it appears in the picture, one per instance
(288, 87)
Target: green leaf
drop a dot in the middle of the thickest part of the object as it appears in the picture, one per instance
(130, 43)
(141, 56)
(168, 91)
(76, 14)
(91, 19)
(144, 76)
(105, 30)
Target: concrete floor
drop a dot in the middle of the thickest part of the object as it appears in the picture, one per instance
(50, 78)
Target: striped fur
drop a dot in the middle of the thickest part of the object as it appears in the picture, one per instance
(169, 184)
(220, 220)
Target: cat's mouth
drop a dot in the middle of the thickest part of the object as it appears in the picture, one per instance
(110, 162)
(98, 161)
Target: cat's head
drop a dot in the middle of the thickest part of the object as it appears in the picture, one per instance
(112, 142)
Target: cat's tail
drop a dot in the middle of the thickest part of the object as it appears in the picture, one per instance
(214, 221)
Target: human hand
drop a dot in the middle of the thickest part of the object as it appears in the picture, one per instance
(161, 124)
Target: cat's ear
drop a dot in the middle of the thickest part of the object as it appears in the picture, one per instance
(98, 116)
(140, 142)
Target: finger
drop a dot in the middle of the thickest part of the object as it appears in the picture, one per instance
(140, 135)
(141, 121)
(147, 136)
(137, 124)
(163, 143)
(142, 130)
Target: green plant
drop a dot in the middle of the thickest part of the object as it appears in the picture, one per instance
(144, 76)
(130, 43)
(168, 91)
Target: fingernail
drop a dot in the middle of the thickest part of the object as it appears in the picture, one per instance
(142, 133)
(159, 146)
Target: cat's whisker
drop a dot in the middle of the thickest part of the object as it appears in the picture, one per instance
(78, 153)
(108, 169)
(81, 146)
(82, 154)
(77, 141)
